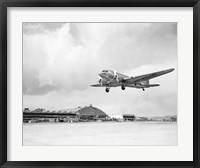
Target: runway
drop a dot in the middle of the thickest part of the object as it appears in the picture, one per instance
(100, 133)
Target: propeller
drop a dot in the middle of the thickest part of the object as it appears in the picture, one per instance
(116, 76)
(100, 80)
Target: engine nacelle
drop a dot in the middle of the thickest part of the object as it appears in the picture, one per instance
(145, 82)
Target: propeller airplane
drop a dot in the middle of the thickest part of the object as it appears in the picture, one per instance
(110, 78)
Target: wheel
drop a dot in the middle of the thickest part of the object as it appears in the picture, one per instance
(143, 89)
(123, 87)
(107, 90)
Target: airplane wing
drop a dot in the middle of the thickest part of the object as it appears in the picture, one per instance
(97, 85)
(148, 76)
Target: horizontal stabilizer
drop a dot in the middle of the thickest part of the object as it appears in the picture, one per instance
(151, 85)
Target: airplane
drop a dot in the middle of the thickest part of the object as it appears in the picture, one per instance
(110, 78)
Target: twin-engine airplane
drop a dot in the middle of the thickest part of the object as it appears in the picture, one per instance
(109, 78)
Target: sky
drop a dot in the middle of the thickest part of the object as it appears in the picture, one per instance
(62, 60)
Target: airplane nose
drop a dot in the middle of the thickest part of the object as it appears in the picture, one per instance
(100, 74)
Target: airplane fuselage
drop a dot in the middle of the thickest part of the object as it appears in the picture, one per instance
(117, 80)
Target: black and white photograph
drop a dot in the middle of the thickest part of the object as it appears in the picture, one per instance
(93, 84)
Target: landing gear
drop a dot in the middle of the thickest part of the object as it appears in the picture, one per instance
(123, 87)
(107, 89)
(143, 89)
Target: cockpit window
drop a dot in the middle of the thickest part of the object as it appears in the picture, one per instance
(105, 71)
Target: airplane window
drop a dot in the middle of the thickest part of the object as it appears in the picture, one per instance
(104, 71)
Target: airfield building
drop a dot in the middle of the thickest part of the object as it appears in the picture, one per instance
(129, 117)
(88, 113)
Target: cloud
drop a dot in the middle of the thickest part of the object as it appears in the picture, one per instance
(57, 56)
(39, 28)
(53, 59)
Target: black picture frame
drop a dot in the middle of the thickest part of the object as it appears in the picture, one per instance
(4, 4)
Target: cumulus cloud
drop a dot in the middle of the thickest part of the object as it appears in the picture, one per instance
(62, 60)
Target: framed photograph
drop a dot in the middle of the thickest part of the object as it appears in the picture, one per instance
(99, 83)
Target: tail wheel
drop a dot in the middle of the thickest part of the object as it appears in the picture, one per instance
(143, 89)
(107, 90)
(123, 87)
